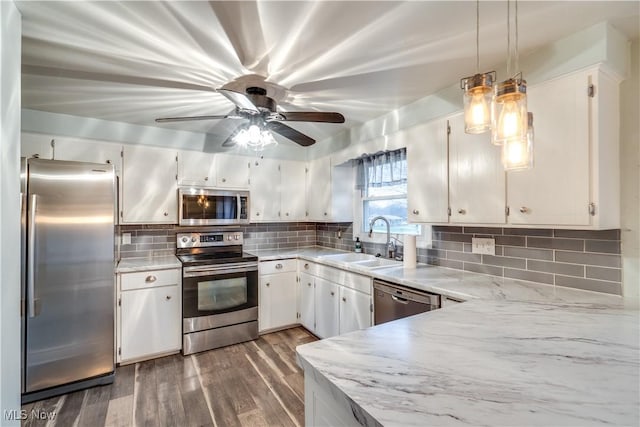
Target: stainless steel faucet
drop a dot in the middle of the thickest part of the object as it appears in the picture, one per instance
(391, 246)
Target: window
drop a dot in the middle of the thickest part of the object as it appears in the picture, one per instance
(382, 180)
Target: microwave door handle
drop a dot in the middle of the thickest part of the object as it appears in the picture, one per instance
(238, 207)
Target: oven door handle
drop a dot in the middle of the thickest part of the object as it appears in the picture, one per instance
(209, 271)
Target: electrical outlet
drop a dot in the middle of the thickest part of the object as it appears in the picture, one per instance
(483, 246)
(126, 238)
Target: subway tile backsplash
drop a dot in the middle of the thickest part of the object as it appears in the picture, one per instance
(582, 259)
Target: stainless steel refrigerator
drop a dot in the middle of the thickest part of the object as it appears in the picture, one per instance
(68, 284)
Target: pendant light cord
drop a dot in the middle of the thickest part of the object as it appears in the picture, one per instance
(517, 52)
(477, 36)
(509, 38)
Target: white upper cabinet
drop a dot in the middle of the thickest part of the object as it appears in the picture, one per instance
(476, 177)
(264, 177)
(196, 168)
(149, 186)
(319, 189)
(292, 190)
(36, 145)
(575, 178)
(232, 171)
(427, 191)
(88, 151)
(329, 191)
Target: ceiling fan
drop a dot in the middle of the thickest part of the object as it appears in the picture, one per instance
(256, 108)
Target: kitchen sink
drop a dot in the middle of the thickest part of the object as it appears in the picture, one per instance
(350, 257)
(377, 263)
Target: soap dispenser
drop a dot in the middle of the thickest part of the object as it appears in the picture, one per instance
(358, 247)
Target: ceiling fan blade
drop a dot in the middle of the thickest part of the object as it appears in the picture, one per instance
(230, 142)
(240, 99)
(311, 116)
(290, 133)
(189, 118)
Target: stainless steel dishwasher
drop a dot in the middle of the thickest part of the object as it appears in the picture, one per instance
(393, 302)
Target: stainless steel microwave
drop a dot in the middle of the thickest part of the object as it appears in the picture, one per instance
(206, 206)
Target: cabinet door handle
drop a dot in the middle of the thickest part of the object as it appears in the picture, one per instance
(462, 211)
(416, 211)
(268, 284)
(257, 213)
(168, 297)
(279, 266)
(325, 214)
(306, 266)
(344, 299)
(150, 279)
(524, 209)
(206, 178)
(309, 284)
(224, 179)
(287, 214)
(166, 214)
(332, 293)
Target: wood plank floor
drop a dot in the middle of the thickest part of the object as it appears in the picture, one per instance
(256, 383)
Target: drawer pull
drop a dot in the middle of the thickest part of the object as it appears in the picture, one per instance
(166, 214)
(416, 211)
(344, 299)
(306, 266)
(309, 284)
(524, 209)
(168, 297)
(279, 266)
(332, 293)
(268, 284)
(150, 279)
(462, 211)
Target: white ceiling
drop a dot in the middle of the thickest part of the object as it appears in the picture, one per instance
(135, 61)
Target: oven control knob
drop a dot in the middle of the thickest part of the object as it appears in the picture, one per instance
(185, 239)
(193, 239)
(236, 237)
(229, 237)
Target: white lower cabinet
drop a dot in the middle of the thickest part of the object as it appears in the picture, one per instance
(149, 314)
(327, 309)
(277, 298)
(355, 310)
(333, 301)
(307, 301)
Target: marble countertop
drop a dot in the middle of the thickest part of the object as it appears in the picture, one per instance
(498, 363)
(130, 265)
(515, 353)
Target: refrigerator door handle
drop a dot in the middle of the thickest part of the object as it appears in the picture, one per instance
(31, 255)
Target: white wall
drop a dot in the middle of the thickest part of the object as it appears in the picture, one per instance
(630, 179)
(10, 45)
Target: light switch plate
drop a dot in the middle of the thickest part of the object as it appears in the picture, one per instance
(483, 246)
(126, 238)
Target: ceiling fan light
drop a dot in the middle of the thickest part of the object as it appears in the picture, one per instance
(517, 154)
(509, 112)
(478, 94)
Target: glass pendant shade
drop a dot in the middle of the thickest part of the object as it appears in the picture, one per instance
(509, 112)
(478, 94)
(518, 153)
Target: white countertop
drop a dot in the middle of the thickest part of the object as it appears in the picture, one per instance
(497, 363)
(130, 265)
(516, 353)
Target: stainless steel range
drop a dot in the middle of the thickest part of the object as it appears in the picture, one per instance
(219, 290)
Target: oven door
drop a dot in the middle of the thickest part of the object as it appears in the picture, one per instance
(213, 207)
(215, 296)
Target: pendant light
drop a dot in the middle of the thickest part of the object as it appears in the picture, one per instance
(518, 153)
(509, 106)
(477, 92)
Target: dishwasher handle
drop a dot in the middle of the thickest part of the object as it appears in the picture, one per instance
(399, 299)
